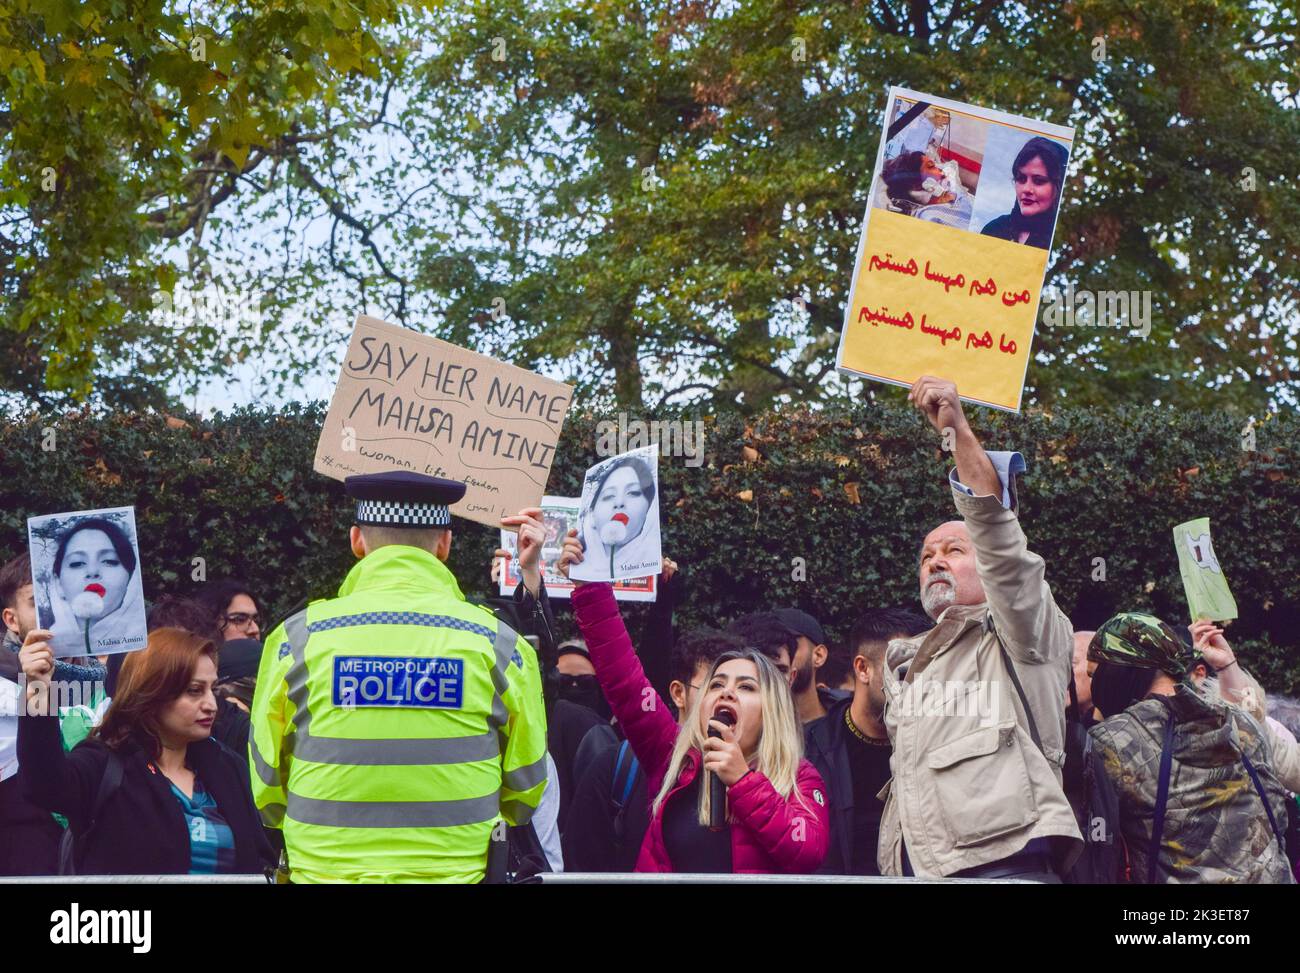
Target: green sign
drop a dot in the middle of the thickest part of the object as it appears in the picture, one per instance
(1207, 590)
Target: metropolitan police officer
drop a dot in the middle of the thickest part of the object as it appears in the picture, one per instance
(395, 726)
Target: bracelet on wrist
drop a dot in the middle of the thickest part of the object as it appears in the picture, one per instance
(1228, 666)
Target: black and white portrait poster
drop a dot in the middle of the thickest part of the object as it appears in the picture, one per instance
(86, 579)
(619, 520)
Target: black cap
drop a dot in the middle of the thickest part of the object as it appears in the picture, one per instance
(801, 623)
(572, 648)
(403, 499)
(239, 658)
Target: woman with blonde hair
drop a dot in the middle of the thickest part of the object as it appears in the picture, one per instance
(775, 818)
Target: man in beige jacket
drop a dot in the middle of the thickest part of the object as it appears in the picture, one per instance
(974, 706)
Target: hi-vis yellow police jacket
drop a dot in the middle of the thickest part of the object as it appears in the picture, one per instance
(394, 726)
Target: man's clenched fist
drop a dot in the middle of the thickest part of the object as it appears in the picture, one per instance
(937, 400)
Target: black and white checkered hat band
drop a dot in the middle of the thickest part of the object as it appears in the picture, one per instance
(387, 513)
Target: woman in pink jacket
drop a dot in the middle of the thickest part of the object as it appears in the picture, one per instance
(776, 817)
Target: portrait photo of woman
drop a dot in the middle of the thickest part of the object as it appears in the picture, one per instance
(1037, 173)
(620, 517)
(88, 588)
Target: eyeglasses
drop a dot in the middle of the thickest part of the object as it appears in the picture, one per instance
(243, 618)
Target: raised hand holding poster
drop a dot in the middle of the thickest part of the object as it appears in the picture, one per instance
(86, 581)
(619, 520)
(954, 247)
(559, 514)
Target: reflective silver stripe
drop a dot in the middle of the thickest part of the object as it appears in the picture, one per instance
(517, 812)
(385, 753)
(270, 776)
(499, 715)
(525, 778)
(504, 646)
(273, 815)
(398, 753)
(295, 631)
(392, 814)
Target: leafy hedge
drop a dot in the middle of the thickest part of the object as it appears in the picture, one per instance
(850, 492)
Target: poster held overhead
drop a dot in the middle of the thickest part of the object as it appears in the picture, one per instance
(86, 581)
(954, 248)
(1208, 595)
(619, 518)
(406, 401)
(559, 514)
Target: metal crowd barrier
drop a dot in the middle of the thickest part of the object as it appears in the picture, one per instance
(704, 878)
(133, 880)
(546, 878)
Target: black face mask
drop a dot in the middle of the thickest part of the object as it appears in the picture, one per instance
(585, 691)
(1115, 688)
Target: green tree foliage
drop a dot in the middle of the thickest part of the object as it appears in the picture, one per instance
(660, 199)
(850, 491)
(671, 178)
(124, 126)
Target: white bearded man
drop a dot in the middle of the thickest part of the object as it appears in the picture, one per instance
(974, 706)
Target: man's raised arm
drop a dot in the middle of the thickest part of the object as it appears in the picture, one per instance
(983, 487)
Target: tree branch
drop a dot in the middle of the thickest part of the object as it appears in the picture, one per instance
(341, 215)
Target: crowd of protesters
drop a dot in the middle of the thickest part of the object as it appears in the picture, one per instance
(980, 736)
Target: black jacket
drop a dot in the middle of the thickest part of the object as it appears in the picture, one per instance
(598, 838)
(29, 836)
(825, 746)
(231, 727)
(141, 829)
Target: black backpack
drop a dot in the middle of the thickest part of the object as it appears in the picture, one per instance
(626, 767)
(1103, 859)
(72, 847)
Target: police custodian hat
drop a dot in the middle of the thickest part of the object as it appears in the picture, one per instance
(403, 499)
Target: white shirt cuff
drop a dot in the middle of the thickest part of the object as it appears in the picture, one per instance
(1007, 464)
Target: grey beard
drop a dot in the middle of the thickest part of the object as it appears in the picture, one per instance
(935, 600)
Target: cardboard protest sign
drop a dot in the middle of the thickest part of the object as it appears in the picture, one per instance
(618, 519)
(1208, 595)
(559, 514)
(954, 248)
(86, 581)
(406, 401)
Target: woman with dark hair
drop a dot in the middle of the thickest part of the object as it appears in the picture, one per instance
(614, 526)
(150, 792)
(234, 610)
(1039, 174)
(94, 568)
(1198, 797)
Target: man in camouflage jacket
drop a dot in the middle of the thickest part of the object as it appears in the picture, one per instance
(1216, 829)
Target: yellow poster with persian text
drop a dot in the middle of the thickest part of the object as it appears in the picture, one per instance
(954, 248)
